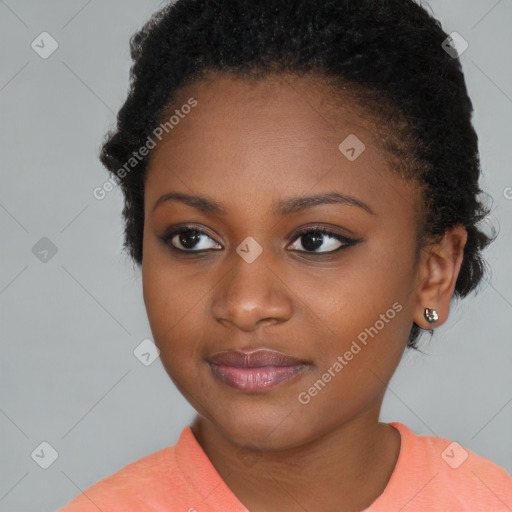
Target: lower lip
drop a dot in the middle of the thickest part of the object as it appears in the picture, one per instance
(254, 379)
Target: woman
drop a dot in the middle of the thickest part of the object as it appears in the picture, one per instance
(301, 182)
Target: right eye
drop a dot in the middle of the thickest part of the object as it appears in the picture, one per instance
(188, 239)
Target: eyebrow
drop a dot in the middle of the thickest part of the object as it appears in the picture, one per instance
(283, 207)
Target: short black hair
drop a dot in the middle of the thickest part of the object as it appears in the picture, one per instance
(386, 55)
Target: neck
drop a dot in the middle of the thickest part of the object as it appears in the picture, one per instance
(344, 470)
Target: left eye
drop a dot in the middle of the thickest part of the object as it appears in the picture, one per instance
(315, 238)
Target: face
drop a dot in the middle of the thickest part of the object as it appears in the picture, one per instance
(252, 273)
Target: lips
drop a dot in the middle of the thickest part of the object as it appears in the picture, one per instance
(254, 359)
(254, 371)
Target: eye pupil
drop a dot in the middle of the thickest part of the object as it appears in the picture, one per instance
(189, 234)
(317, 238)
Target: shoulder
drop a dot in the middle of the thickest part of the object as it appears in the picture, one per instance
(451, 472)
(136, 486)
(174, 479)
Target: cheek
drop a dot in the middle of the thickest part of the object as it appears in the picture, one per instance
(174, 304)
(160, 300)
(363, 313)
(164, 293)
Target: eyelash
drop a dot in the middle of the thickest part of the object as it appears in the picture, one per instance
(347, 242)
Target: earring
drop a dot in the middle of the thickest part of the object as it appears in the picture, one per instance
(431, 316)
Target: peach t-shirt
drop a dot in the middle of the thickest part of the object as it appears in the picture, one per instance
(432, 474)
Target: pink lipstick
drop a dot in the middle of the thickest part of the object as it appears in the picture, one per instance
(256, 370)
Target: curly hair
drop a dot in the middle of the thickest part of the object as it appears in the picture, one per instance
(385, 55)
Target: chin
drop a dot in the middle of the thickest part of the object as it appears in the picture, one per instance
(270, 433)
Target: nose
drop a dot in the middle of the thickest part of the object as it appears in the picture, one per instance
(251, 294)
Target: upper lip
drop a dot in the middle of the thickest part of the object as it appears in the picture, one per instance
(254, 359)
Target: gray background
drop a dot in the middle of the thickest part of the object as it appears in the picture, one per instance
(69, 326)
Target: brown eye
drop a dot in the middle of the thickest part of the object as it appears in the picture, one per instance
(188, 239)
(313, 239)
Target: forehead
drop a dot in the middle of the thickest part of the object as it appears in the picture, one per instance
(279, 106)
(279, 136)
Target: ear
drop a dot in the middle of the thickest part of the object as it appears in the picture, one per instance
(437, 274)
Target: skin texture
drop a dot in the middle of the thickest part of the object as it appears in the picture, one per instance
(247, 145)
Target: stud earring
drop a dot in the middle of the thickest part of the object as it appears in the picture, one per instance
(431, 316)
